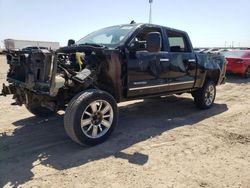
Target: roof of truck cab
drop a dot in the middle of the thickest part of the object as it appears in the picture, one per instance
(153, 25)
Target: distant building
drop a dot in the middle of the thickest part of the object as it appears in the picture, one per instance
(12, 44)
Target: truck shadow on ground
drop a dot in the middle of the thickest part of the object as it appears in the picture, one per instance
(39, 141)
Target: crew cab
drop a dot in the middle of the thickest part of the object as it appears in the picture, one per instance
(125, 62)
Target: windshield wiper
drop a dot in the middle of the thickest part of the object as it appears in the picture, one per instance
(93, 44)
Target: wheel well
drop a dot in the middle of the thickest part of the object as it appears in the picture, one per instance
(107, 85)
(213, 75)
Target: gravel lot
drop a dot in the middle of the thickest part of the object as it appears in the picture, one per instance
(158, 143)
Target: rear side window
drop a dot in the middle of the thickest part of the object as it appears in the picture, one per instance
(177, 42)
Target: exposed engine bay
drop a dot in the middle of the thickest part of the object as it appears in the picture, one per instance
(44, 78)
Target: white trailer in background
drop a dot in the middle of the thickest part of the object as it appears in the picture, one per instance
(12, 44)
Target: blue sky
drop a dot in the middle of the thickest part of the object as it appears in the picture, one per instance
(208, 22)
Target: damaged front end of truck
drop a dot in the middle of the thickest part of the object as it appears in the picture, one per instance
(46, 81)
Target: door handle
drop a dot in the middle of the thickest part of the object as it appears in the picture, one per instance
(191, 60)
(164, 60)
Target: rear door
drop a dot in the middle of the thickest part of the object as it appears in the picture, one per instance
(182, 61)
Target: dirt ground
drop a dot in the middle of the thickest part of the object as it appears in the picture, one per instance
(158, 143)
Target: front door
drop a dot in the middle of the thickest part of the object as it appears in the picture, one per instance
(145, 68)
(145, 72)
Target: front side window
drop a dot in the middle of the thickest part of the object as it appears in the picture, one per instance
(177, 42)
(143, 35)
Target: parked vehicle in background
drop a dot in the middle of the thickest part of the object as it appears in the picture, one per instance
(211, 50)
(222, 51)
(12, 44)
(238, 62)
(200, 50)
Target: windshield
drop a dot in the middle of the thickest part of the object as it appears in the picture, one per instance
(110, 36)
(234, 53)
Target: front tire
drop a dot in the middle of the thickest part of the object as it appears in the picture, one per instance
(204, 97)
(91, 117)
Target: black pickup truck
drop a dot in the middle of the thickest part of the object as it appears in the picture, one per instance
(88, 78)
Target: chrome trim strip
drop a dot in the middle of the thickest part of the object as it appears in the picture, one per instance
(164, 59)
(147, 87)
(160, 85)
(140, 83)
(186, 82)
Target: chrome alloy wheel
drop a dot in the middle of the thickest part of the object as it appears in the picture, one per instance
(209, 95)
(97, 118)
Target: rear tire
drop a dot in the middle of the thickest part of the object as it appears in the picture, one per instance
(91, 117)
(204, 97)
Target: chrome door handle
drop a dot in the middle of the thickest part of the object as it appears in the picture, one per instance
(164, 59)
(191, 60)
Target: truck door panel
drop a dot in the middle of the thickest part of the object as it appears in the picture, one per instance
(138, 67)
(145, 69)
(182, 67)
(182, 71)
(145, 73)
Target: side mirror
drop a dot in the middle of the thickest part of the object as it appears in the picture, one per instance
(71, 42)
(153, 42)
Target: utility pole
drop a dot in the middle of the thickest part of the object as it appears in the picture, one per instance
(150, 11)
